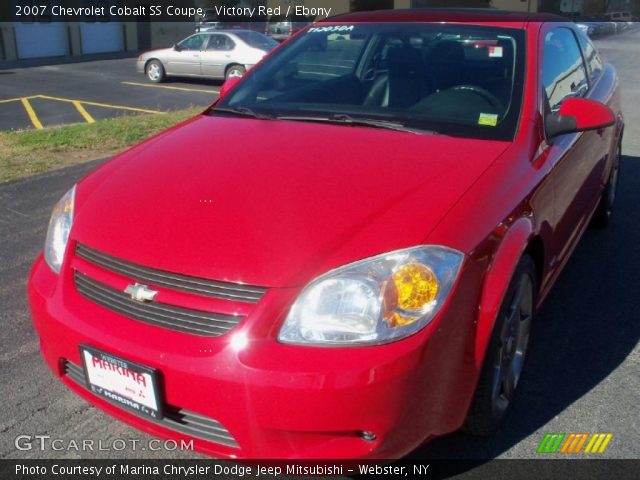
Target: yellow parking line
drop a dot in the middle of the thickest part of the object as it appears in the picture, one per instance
(31, 112)
(96, 104)
(9, 100)
(135, 84)
(83, 112)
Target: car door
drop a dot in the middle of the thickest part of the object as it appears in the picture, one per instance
(184, 59)
(218, 53)
(576, 158)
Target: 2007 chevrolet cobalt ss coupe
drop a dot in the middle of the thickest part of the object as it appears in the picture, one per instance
(344, 255)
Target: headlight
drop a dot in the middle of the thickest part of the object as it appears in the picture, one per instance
(374, 301)
(59, 228)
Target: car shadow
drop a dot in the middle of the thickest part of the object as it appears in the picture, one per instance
(584, 331)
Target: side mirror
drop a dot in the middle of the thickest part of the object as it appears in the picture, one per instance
(228, 85)
(177, 48)
(578, 115)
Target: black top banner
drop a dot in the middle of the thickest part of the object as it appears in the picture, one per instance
(233, 11)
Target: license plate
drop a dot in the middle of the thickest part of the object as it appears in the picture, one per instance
(126, 383)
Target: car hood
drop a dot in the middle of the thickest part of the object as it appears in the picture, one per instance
(273, 203)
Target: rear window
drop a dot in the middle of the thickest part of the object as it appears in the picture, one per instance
(257, 40)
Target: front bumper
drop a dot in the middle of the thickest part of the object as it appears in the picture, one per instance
(273, 400)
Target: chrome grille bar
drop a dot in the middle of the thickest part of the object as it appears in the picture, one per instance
(185, 320)
(199, 286)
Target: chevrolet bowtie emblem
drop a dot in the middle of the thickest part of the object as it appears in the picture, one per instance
(140, 293)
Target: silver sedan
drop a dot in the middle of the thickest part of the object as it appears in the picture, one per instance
(216, 54)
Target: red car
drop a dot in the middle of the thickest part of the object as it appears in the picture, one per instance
(344, 255)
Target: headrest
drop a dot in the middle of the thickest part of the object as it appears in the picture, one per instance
(406, 59)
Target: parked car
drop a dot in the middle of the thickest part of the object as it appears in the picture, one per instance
(210, 54)
(607, 27)
(599, 28)
(619, 16)
(343, 256)
(211, 21)
(210, 27)
(586, 28)
(280, 27)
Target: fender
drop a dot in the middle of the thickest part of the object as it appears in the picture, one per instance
(497, 280)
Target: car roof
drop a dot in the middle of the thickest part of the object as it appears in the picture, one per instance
(454, 15)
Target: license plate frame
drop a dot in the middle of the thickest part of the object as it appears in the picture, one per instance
(111, 370)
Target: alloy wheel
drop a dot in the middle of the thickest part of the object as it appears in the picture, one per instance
(154, 72)
(513, 343)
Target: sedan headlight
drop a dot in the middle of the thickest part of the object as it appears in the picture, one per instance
(374, 301)
(59, 228)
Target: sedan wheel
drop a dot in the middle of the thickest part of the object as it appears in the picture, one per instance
(504, 359)
(235, 71)
(155, 71)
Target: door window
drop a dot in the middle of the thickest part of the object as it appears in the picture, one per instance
(591, 57)
(563, 71)
(220, 43)
(192, 43)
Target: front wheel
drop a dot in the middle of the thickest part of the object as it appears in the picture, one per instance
(602, 216)
(506, 352)
(155, 71)
(235, 71)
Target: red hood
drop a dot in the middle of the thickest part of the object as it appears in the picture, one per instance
(273, 203)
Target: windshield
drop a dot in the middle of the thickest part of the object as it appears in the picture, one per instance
(257, 40)
(453, 79)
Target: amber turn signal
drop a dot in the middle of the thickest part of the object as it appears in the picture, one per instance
(407, 293)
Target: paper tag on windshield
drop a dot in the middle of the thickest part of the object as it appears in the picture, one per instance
(489, 119)
(495, 52)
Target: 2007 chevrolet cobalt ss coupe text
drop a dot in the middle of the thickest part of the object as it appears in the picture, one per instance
(344, 255)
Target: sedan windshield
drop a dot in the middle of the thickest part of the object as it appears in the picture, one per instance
(463, 80)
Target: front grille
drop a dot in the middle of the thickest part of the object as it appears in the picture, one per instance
(184, 320)
(199, 286)
(175, 418)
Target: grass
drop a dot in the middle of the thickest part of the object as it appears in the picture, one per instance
(27, 152)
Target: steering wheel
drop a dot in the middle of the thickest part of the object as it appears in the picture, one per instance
(485, 94)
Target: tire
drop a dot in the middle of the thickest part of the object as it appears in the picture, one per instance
(235, 71)
(506, 352)
(155, 71)
(602, 215)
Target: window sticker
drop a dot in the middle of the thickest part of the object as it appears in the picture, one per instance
(488, 119)
(332, 29)
(495, 52)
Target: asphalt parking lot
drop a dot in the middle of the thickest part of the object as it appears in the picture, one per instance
(582, 372)
(45, 96)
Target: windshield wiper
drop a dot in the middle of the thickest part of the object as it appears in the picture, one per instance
(337, 118)
(243, 111)
(343, 118)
